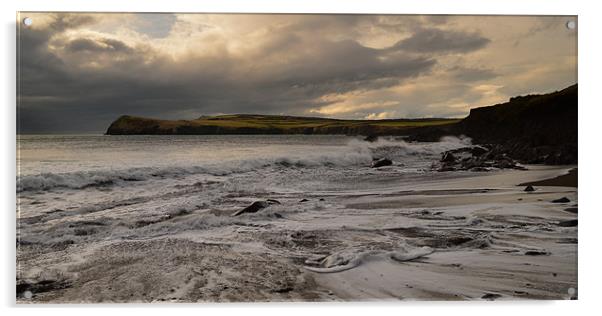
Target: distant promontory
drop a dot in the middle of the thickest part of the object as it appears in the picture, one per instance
(533, 128)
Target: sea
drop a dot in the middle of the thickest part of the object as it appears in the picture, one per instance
(66, 171)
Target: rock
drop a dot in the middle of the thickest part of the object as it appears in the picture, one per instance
(478, 151)
(285, 289)
(505, 164)
(569, 223)
(561, 200)
(277, 215)
(529, 188)
(470, 163)
(303, 200)
(371, 138)
(475, 158)
(256, 206)
(490, 296)
(448, 157)
(571, 210)
(25, 289)
(381, 163)
(536, 253)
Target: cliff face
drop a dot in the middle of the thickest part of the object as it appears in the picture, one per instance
(534, 128)
(538, 120)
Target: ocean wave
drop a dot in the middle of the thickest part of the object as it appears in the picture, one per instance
(356, 153)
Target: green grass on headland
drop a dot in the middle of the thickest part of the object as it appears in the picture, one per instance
(270, 124)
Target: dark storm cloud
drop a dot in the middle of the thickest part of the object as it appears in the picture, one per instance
(74, 82)
(85, 83)
(432, 40)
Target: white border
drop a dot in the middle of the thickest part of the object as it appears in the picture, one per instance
(315, 6)
(590, 116)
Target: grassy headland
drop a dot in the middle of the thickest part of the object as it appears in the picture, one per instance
(267, 124)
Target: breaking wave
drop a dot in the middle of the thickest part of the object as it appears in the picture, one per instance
(356, 153)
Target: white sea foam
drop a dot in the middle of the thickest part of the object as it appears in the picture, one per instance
(349, 259)
(355, 153)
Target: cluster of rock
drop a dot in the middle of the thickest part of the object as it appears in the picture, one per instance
(475, 158)
(537, 154)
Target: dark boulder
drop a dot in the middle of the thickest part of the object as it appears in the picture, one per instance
(529, 188)
(536, 253)
(381, 163)
(571, 210)
(490, 296)
(569, 223)
(561, 200)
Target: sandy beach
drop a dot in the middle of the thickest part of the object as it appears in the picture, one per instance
(373, 235)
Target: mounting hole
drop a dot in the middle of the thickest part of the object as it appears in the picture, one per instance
(28, 21)
(572, 291)
(571, 25)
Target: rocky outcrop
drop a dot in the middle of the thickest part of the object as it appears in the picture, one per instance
(533, 129)
(475, 158)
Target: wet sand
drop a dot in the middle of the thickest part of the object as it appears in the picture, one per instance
(565, 180)
(448, 236)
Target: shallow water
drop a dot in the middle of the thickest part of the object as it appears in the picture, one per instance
(52, 169)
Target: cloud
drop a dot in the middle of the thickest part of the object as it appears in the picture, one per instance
(78, 72)
(95, 46)
(381, 115)
(470, 74)
(433, 40)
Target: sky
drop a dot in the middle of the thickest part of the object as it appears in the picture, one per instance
(79, 72)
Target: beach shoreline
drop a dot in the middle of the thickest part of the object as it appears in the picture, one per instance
(488, 239)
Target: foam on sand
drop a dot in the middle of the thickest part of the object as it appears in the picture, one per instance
(349, 259)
